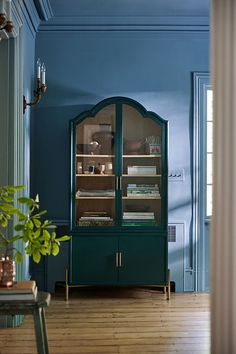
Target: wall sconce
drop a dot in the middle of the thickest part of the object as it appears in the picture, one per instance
(41, 86)
(5, 16)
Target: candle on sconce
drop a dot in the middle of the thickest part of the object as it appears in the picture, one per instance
(2, 2)
(8, 9)
(43, 72)
(38, 69)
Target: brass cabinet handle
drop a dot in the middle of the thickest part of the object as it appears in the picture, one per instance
(117, 260)
(120, 260)
(120, 182)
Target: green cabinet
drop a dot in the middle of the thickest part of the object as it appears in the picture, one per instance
(93, 259)
(112, 260)
(118, 195)
(142, 259)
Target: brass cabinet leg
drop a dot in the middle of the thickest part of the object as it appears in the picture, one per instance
(67, 286)
(168, 287)
(164, 288)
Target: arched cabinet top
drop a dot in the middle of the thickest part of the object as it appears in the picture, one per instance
(119, 100)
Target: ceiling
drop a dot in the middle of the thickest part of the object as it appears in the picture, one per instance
(75, 8)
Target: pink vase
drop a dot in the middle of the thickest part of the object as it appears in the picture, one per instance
(7, 272)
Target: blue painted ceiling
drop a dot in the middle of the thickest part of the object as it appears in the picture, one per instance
(75, 8)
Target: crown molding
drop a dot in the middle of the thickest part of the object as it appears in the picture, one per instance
(44, 9)
(126, 23)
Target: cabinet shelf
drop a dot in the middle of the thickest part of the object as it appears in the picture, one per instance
(90, 155)
(142, 156)
(94, 175)
(139, 175)
(78, 198)
(137, 197)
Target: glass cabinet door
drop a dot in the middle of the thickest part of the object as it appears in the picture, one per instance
(95, 169)
(141, 169)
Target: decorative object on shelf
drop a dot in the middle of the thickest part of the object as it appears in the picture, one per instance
(93, 148)
(41, 86)
(101, 168)
(79, 168)
(7, 272)
(105, 139)
(38, 235)
(108, 168)
(153, 144)
(5, 16)
(134, 147)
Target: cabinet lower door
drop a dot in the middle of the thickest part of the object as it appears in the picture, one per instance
(94, 260)
(142, 260)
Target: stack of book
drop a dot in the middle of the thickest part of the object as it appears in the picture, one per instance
(136, 217)
(142, 190)
(96, 218)
(95, 193)
(21, 290)
(141, 170)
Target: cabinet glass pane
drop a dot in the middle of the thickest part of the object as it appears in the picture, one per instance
(95, 169)
(141, 169)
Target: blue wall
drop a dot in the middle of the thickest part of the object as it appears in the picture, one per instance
(83, 67)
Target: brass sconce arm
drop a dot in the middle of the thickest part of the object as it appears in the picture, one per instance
(37, 95)
(41, 86)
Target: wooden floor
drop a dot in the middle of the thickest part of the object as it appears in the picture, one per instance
(118, 320)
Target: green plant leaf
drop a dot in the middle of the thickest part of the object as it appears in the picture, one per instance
(4, 222)
(17, 188)
(55, 249)
(46, 235)
(40, 214)
(30, 224)
(36, 256)
(8, 208)
(24, 200)
(7, 199)
(15, 238)
(37, 222)
(44, 251)
(19, 227)
(51, 227)
(18, 256)
(37, 233)
(63, 238)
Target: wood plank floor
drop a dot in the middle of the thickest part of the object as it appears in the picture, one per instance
(118, 320)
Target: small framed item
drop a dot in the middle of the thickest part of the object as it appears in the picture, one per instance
(154, 149)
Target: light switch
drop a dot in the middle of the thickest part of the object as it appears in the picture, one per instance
(176, 175)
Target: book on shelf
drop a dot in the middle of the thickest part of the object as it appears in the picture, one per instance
(143, 185)
(138, 217)
(96, 222)
(21, 290)
(95, 193)
(95, 213)
(95, 218)
(139, 223)
(138, 213)
(143, 194)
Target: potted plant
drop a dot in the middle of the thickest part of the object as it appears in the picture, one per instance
(30, 226)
